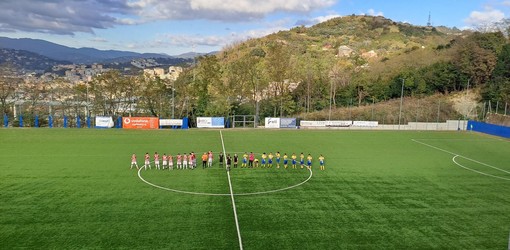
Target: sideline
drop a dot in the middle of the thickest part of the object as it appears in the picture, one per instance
(232, 197)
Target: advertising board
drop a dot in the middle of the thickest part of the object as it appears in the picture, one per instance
(288, 123)
(170, 122)
(210, 122)
(272, 122)
(140, 122)
(326, 123)
(365, 123)
(104, 122)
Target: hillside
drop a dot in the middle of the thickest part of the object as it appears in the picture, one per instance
(357, 60)
(351, 38)
(427, 109)
(27, 62)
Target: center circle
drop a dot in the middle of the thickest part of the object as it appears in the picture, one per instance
(223, 194)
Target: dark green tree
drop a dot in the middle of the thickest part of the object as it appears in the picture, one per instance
(498, 89)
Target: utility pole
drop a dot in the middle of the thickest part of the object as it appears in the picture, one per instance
(173, 99)
(401, 101)
(330, 96)
(87, 109)
(256, 103)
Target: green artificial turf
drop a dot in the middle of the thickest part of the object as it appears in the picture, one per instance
(72, 188)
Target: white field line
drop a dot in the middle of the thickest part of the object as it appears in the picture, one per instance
(460, 139)
(176, 190)
(467, 158)
(476, 171)
(232, 197)
(216, 194)
(455, 139)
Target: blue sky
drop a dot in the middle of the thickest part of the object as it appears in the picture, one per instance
(178, 26)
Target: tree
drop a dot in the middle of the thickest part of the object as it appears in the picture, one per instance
(476, 55)
(276, 66)
(108, 92)
(341, 76)
(241, 74)
(498, 89)
(502, 68)
(442, 77)
(209, 87)
(8, 84)
(63, 93)
(152, 94)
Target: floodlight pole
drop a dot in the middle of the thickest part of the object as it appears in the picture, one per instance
(401, 100)
(87, 95)
(466, 115)
(256, 103)
(330, 97)
(49, 103)
(173, 98)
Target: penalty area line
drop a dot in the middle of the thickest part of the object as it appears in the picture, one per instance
(476, 171)
(232, 197)
(467, 158)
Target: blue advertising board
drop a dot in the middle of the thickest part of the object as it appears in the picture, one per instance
(288, 123)
(490, 129)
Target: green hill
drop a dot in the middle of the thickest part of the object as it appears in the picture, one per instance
(355, 60)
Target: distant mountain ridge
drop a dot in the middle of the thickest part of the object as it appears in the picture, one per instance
(63, 53)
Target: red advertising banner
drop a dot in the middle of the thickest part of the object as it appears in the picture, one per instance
(140, 122)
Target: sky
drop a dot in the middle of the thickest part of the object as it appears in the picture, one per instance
(174, 27)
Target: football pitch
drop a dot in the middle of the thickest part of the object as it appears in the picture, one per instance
(72, 188)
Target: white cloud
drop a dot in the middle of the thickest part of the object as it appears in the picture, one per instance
(211, 42)
(261, 6)
(224, 10)
(481, 18)
(67, 17)
(316, 20)
(372, 12)
(59, 17)
(321, 19)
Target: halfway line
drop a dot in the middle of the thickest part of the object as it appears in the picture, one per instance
(232, 197)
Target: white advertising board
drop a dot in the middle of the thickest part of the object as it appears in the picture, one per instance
(210, 122)
(272, 122)
(365, 124)
(325, 123)
(104, 122)
(170, 122)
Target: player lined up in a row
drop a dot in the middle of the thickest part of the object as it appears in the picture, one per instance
(250, 161)
(186, 161)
